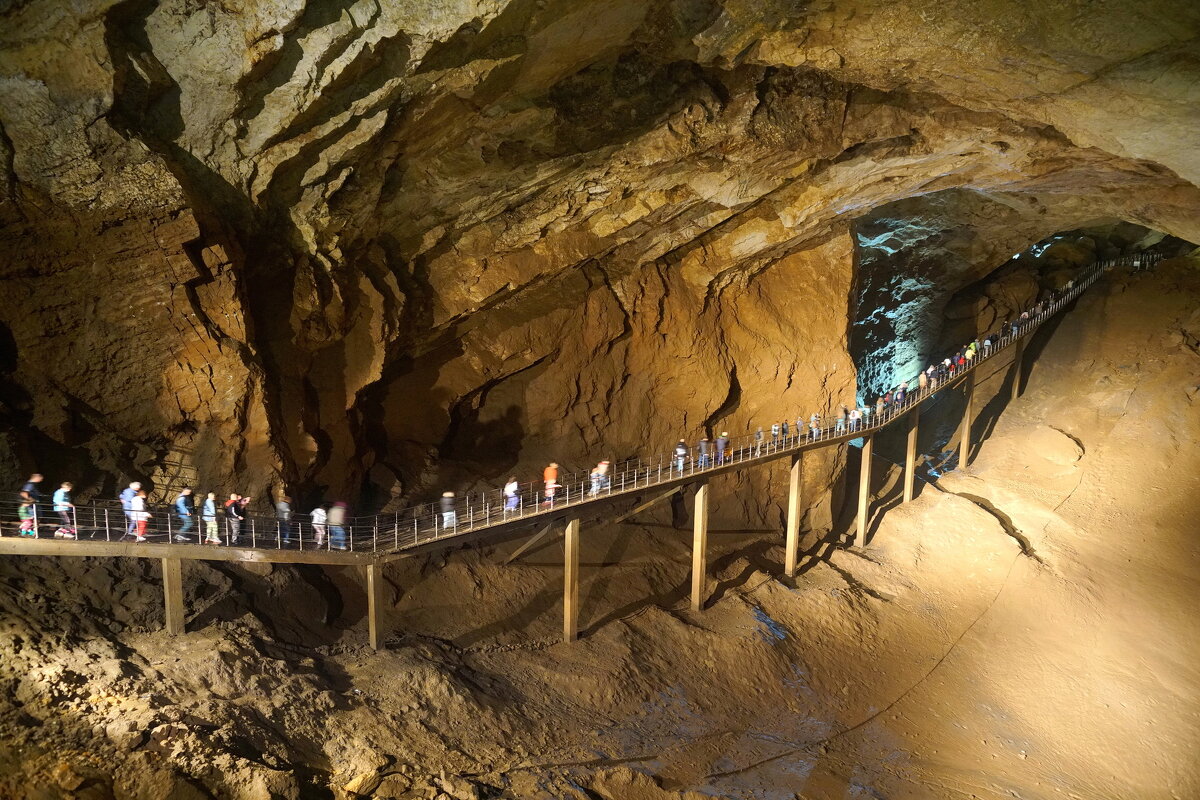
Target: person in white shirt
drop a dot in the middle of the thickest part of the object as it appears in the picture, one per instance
(319, 516)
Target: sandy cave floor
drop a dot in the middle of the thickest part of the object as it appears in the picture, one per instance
(1025, 628)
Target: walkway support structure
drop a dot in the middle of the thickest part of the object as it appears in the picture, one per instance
(571, 581)
(375, 627)
(792, 545)
(864, 490)
(964, 442)
(1018, 360)
(172, 570)
(699, 545)
(910, 453)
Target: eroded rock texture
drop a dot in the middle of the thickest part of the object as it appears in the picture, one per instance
(369, 248)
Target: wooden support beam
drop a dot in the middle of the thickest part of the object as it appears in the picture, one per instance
(864, 491)
(910, 453)
(699, 545)
(375, 627)
(529, 543)
(1018, 360)
(172, 569)
(658, 498)
(792, 546)
(964, 442)
(571, 582)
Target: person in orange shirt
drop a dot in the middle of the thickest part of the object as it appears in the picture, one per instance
(550, 477)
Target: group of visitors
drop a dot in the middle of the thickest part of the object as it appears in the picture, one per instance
(325, 520)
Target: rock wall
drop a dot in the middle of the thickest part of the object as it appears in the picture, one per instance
(366, 250)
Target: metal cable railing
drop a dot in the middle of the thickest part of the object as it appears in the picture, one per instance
(430, 522)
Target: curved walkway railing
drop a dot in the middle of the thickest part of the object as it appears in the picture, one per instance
(479, 511)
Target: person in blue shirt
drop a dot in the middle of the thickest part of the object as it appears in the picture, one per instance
(185, 512)
(63, 507)
(209, 514)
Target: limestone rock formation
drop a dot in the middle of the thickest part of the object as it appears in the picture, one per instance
(365, 249)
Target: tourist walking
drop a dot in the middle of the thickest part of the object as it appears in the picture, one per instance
(901, 395)
(758, 441)
(855, 418)
(787, 432)
(550, 480)
(318, 517)
(839, 425)
(185, 512)
(600, 478)
(722, 447)
(127, 495)
(28, 518)
(65, 509)
(208, 514)
(31, 492)
(814, 426)
(449, 516)
(775, 436)
(704, 451)
(337, 521)
(512, 495)
(234, 517)
(283, 515)
(141, 516)
(681, 454)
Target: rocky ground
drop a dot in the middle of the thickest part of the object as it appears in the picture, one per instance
(1022, 629)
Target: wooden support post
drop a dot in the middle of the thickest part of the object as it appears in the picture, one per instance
(1018, 359)
(571, 582)
(375, 630)
(964, 442)
(792, 551)
(864, 491)
(172, 569)
(699, 545)
(910, 453)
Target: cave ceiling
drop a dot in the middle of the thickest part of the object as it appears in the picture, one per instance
(341, 244)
